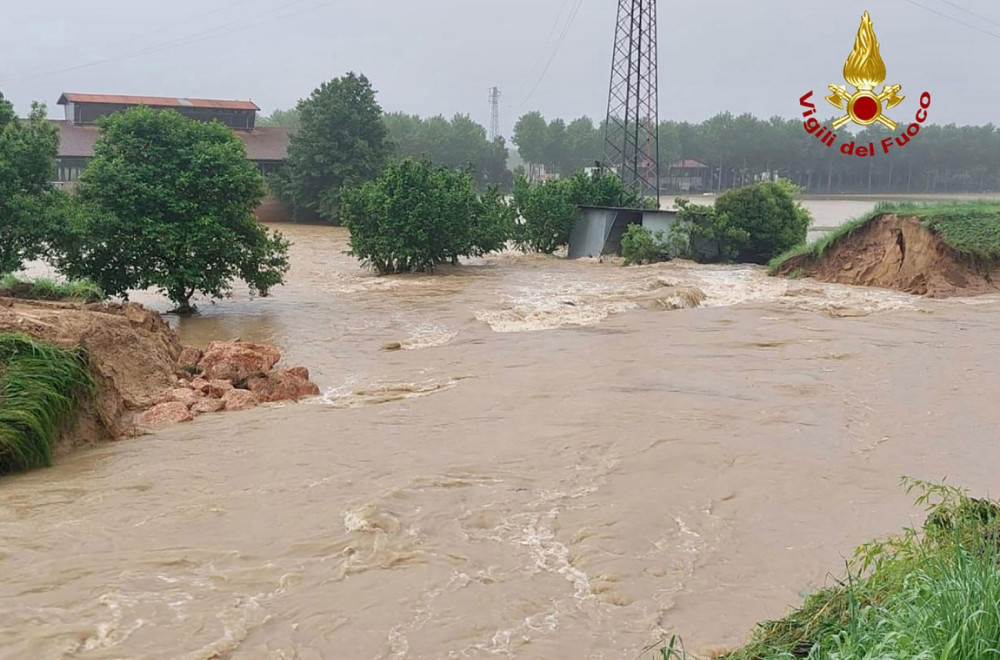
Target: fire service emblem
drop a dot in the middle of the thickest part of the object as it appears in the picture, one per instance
(864, 71)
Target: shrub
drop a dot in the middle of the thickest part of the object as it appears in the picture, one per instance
(748, 225)
(417, 215)
(44, 289)
(168, 202)
(641, 246)
(42, 387)
(548, 215)
(550, 209)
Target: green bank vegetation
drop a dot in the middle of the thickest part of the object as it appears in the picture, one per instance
(932, 594)
(41, 389)
(46, 289)
(418, 214)
(972, 228)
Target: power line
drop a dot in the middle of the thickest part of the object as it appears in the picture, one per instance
(143, 35)
(952, 18)
(970, 12)
(559, 43)
(211, 33)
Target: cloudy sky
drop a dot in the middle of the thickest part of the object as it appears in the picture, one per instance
(441, 56)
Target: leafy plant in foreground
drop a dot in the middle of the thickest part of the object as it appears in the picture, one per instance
(41, 387)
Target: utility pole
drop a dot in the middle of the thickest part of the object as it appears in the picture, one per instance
(632, 143)
(494, 113)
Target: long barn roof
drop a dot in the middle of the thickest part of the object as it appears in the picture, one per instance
(157, 101)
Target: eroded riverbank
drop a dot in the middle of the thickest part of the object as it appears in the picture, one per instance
(573, 491)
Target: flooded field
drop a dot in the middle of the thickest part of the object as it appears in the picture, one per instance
(520, 457)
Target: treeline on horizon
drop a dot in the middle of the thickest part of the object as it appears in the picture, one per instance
(738, 149)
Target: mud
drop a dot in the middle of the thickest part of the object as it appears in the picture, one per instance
(131, 353)
(895, 252)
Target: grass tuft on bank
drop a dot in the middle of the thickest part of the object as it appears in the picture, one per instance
(45, 289)
(41, 389)
(932, 593)
(971, 228)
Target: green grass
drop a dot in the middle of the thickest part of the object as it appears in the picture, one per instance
(41, 389)
(972, 228)
(45, 289)
(930, 594)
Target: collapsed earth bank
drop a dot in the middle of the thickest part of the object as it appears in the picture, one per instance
(895, 252)
(144, 377)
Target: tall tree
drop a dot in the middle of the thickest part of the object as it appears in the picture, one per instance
(29, 204)
(168, 202)
(531, 135)
(283, 118)
(342, 142)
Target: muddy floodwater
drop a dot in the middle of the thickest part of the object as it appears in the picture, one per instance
(522, 457)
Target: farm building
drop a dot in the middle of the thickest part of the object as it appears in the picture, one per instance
(265, 146)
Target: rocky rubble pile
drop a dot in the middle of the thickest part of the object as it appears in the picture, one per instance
(228, 376)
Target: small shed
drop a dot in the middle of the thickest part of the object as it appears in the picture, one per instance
(599, 229)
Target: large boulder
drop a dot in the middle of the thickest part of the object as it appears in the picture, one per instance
(218, 388)
(282, 386)
(167, 413)
(208, 405)
(186, 396)
(237, 360)
(240, 400)
(189, 356)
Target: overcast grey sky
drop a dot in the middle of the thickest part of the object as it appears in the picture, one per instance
(441, 56)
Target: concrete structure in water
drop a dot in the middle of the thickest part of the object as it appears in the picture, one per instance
(599, 229)
(267, 147)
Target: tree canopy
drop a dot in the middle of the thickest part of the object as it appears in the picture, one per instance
(168, 202)
(29, 204)
(341, 142)
(458, 143)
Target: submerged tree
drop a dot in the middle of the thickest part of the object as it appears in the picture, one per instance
(168, 202)
(30, 206)
(341, 142)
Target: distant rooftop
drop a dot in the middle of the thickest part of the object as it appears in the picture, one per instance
(262, 144)
(689, 164)
(157, 101)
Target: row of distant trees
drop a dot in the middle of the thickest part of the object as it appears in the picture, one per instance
(737, 149)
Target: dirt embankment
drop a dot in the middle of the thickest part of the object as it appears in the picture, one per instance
(895, 252)
(132, 353)
(145, 378)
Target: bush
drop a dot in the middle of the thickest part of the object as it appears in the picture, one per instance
(640, 246)
(548, 215)
(168, 202)
(42, 387)
(417, 215)
(550, 209)
(44, 289)
(748, 225)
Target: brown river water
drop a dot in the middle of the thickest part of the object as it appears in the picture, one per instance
(565, 460)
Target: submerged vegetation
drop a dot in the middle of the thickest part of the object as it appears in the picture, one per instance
(932, 593)
(971, 228)
(45, 289)
(41, 389)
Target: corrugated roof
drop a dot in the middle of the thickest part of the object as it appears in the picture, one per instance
(261, 144)
(156, 101)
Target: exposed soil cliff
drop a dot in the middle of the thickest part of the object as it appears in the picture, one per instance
(896, 252)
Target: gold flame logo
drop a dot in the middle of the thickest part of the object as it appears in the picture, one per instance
(865, 70)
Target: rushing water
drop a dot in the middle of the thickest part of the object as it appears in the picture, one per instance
(562, 460)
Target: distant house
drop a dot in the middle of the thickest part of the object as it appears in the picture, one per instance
(265, 146)
(688, 175)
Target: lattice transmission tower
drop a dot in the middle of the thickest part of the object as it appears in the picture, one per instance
(494, 113)
(632, 144)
